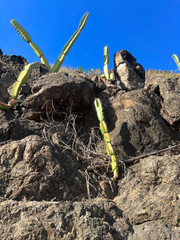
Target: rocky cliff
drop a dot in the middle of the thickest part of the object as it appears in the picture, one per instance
(55, 176)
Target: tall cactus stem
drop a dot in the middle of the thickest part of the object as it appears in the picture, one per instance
(109, 148)
(106, 62)
(70, 43)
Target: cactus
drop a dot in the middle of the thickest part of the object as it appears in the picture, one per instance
(22, 79)
(104, 131)
(25, 35)
(70, 43)
(176, 59)
(25, 74)
(106, 62)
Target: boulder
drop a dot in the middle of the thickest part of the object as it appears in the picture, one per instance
(129, 74)
(59, 91)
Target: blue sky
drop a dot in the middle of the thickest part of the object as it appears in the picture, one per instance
(148, 29)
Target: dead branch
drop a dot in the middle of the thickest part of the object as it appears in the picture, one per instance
(149, 154)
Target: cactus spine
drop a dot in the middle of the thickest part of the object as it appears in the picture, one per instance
(107, 139)
(70, 43)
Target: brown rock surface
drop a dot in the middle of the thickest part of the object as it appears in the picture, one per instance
(55, 179)
(167, 86)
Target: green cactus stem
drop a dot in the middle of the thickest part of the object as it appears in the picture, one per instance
(23, 77)
(25, 74)
(176, 59)
(107, 139)
(70, 43)
(25, 35)
(106, 62)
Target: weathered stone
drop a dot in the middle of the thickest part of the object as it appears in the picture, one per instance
(170, 96)
(7, 78)
(58, 163)
(17, 129)
(18, 59)
(131, 75)
(33, 169)
(129, 79)
(123, 56)
(151, 191)
(168, 90)
(59, 91)
(134, 123)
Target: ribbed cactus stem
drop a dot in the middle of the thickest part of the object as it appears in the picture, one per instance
(106, 62)
(25, 74)
(70, 43)
(23, 77)
(104, 131)
(25, 35)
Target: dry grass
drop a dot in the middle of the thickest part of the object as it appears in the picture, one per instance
(163, 74)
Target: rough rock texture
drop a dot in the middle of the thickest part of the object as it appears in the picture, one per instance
(136, 124)
(168, 90)
(129, 73)
(157, 177)
(59, 89)
(33, 169)
(55, 179)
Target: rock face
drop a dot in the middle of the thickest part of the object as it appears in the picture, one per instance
(55, 179)
(129, 73)
(136, 124)
(61, 90)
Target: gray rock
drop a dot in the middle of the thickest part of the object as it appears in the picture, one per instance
(131, 75)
